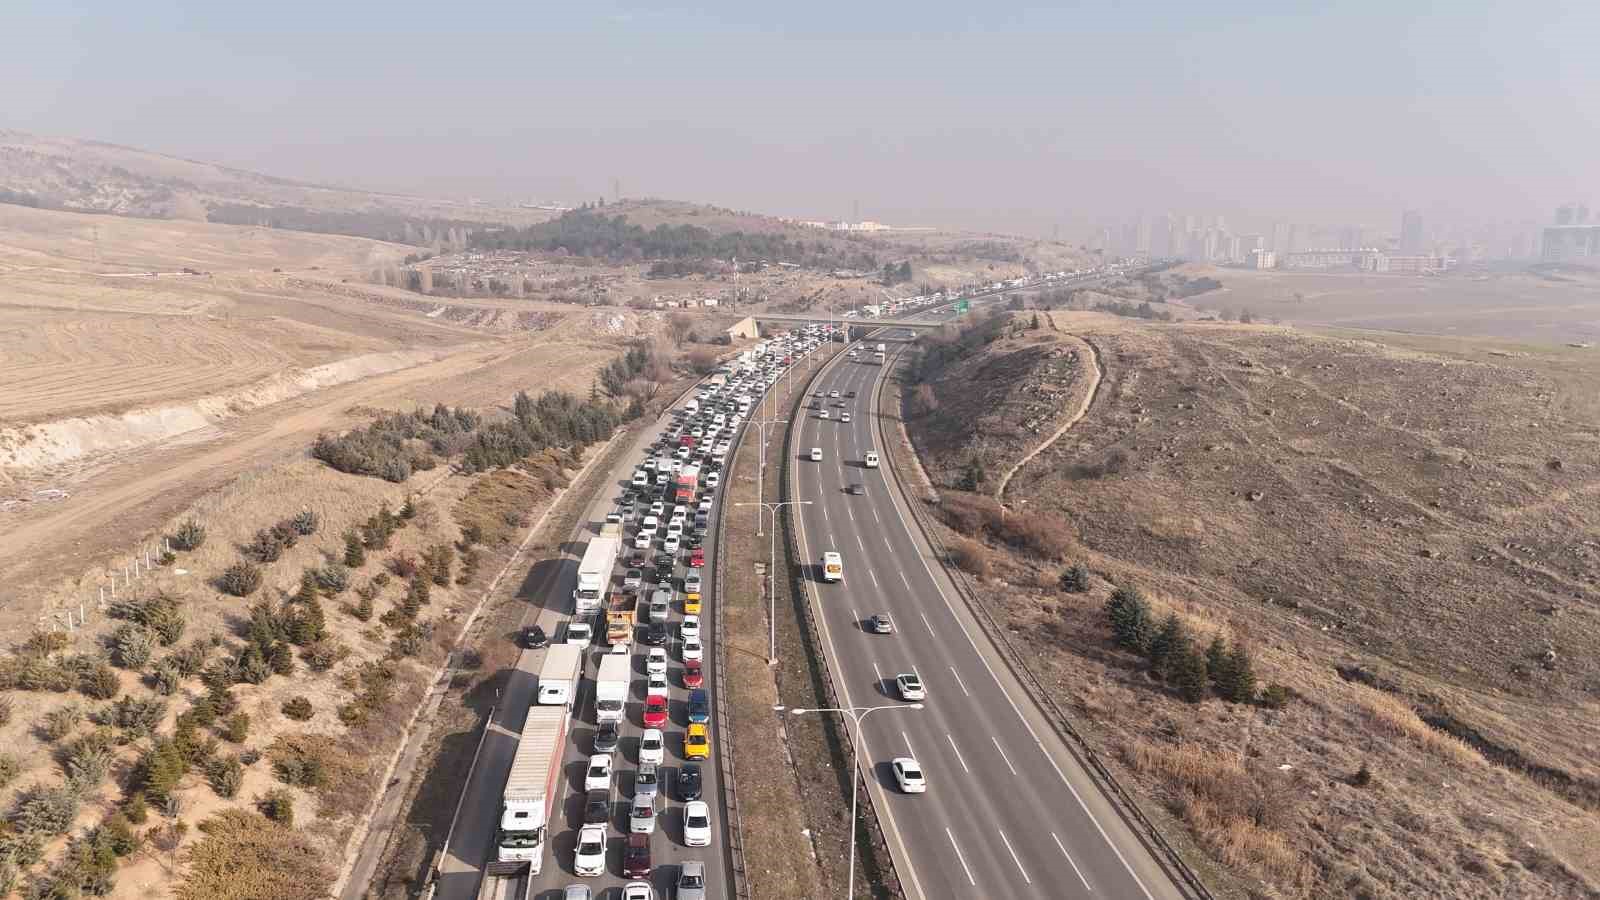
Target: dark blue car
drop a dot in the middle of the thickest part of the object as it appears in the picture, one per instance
(699, 706)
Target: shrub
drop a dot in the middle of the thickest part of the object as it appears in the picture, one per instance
(119, 832)
(10, 768)
(325, 653)
(158, 771)
(46, 810)
(969, 514)
(132, 646)
(971, 557)
(309, 625)
(408, 510)
(298, 709)
(285, 533)
(281, 658)
(236, 728)
(5, 711)
(1237, 680)
(355, 555)
(190, 660)
(1276, 696)
(59, 722)
(189, 536)
(136, 809)
(225, 775)
(100, 682)
(267, 546)
(241, 579)
(403, 565)
(1362, 777)
(168, 558)
(1130, 619)
(1075, 580)
(408, 641)
(363, 608)
(165, 678)
(305, 522)
(135, 717)
(87, 764)
(1041, 535)
(253, 667)
(278, 805)
(333, 578)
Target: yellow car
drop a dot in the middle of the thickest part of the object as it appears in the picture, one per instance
(696, 743)
(691, 604)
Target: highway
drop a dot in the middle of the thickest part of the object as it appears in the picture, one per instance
(1009, 811)
(548, 589)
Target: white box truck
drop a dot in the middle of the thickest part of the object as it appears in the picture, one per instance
(594, 572)
(611, 687)
(558, 677)
(531, 786)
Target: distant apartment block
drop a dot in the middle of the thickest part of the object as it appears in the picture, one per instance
(1365, 259)
(1262, 259)
(1566, 243)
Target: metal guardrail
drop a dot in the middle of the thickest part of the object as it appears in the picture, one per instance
(1014, 661)
(797, 585)
(734, 821)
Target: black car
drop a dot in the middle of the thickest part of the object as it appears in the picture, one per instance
(606, 738)
(656, 635)
(597, 808)
(857, 488)
(533, 637)
(689, 782)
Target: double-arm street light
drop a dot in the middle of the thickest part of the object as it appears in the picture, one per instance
(855, 714)
(772, 567)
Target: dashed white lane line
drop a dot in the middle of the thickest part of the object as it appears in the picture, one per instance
(910, 751)
(856, 618)
(860, 544)
(874, 576)
(963, 684)
(961, 858)
(904, 580)
(1014, 857)
(926, 622)
(1075, 869)
(1003, 754)
(959, 758)
(875, 515)
(877, 672)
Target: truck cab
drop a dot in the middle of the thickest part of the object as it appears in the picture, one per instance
(832, 567)
(872, 459)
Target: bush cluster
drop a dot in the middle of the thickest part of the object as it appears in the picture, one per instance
(377, 688)
(978, 516)
(161, 613)
(393, 446)
(240, 579)
(1174, 656)
(189, 536)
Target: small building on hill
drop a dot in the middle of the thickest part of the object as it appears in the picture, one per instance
(745, 328)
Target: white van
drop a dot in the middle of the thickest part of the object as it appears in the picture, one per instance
(816, 454)
(832, 567)
(872, 459)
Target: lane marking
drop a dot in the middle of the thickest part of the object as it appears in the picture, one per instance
(1014, 857)
(959, 856)
(860, 544)
(1075, 869)
(926, 622)
(904, 579)
(874, 576)
(963, 684)
(959, 758)
(875, 515)
(910, 751)
(856, 618)
(1003, 754)
(876, 672)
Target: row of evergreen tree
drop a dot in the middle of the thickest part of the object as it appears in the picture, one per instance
(1175, 656)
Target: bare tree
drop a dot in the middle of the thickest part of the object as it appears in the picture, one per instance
(678, 325)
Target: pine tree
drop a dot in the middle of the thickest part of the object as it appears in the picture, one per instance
(1239, 683)
(308, 588)
(355, 555)
(1216, 657)
(1075, 580)
(408, 510)
(363, 607)
(282, 659)
(1130, 619)
(1169, 646)
(309, 625)
(1189, 675)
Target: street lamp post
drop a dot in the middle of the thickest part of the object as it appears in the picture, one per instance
(772, 567)
(855, 714)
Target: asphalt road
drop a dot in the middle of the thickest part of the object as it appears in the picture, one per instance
(1009, 811)
(551, 583)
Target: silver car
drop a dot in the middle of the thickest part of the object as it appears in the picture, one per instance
(576, 892)
(692, 881)
(646, 781)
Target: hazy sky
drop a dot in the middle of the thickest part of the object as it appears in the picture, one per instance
(975, 114)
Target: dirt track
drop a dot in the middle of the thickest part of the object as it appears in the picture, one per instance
(1092, 388)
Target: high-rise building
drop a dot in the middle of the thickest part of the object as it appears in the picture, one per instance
(1280, 238)
(1411, 240)
(1563, 215)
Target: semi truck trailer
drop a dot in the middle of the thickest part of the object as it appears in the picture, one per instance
(531, 787)
(611, 687)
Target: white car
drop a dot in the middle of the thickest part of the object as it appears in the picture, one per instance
(655, 662)
(638, 890)
(675, 529)
(657, 509)
(683, 452)
(823, 414)
(670, 545)
(908, 773)
(910, 686)
(697, 824)
(712, 479)
(655, 685)
(590, 859)
(844, 417)
(690, 629)
(598, 777)
(652, 746)
(692, 649)
(834, 395)
(691, 582)
(580, 633)
(643, 539)
(640, 479)
(816, 454)
(650, 525)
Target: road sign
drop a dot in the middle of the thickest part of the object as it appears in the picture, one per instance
(963, 307)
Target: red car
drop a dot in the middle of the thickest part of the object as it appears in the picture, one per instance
(655, 711)
(691, 674)
(641, 560)
(636, 857)
(697, 558)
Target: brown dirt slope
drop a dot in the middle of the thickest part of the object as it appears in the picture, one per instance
(1409, 541)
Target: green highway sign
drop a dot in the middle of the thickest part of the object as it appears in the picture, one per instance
(963, 307)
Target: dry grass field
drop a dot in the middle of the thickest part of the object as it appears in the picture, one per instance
(1406, 534)
(1517, 306)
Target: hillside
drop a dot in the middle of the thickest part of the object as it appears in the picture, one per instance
(90, 176)
(1404, 541)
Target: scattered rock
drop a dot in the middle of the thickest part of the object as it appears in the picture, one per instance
(1556, 465)
(1428, 553)
(1256, 496)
